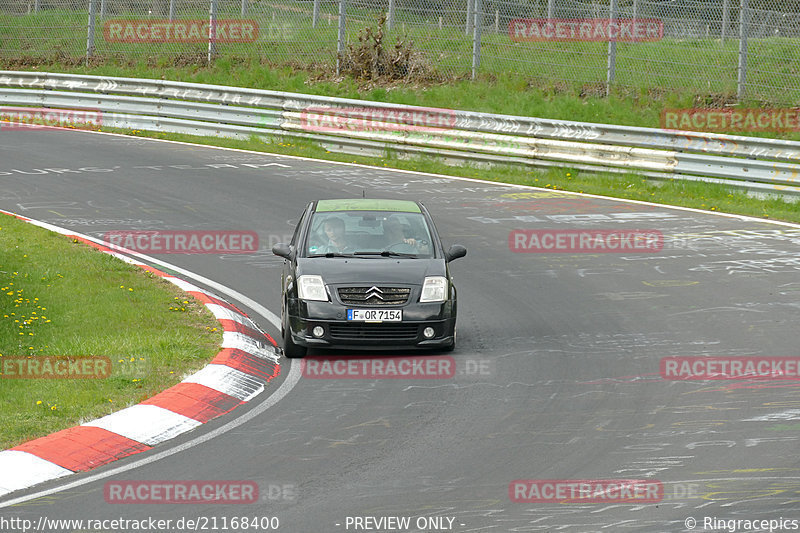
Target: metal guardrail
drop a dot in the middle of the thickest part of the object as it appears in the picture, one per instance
(756, 164)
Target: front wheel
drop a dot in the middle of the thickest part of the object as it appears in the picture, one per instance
(290, 349)
(452, 346)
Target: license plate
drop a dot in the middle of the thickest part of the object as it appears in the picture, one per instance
(375, 315)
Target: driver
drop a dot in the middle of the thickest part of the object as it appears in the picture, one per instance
(395, 238)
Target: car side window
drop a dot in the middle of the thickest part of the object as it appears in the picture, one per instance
(296, 234)
(317, 240)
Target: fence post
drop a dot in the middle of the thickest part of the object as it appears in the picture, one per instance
(612, 51)
(635, 11)
(469, 25)
(102, 9)
(36, 6)
(90, 34)
(244, 8)
(726, 10)
(212, 30)
(476, 37)
(744, 21)
(390, 16)
(550, 8)
(341, 38)
(315, 15)
(171, 9)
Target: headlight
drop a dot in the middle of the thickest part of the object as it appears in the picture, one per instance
(434, 289)
(311, 288)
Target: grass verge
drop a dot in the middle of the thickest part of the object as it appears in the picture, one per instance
(60, 297)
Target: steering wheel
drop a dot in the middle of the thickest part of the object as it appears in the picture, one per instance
(390, 246)
(416, 246)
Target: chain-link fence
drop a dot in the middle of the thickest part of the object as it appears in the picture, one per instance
(723, 49)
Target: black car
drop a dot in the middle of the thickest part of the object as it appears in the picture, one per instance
(367, 274)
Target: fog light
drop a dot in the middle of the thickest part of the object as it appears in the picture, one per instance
(318, 331)
(428, 332)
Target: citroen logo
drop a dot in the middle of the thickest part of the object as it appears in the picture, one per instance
(374, 292)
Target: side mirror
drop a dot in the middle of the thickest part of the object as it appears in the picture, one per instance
(283, 250)
(455, 252)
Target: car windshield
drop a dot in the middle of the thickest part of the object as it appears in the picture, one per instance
(368, 234)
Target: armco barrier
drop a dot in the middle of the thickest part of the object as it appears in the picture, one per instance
(755, 164)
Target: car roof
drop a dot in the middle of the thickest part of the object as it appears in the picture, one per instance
(368, 204)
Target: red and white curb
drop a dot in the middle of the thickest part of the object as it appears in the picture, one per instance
(247, 361)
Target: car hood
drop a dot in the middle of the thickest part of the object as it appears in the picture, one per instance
(339, 270)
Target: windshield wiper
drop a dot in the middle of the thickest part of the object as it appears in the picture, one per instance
(332, 254)
(388, 253)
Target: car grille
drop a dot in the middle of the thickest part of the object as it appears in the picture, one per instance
(374, 295)
(374, 331)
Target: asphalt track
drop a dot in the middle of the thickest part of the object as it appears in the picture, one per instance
(557, 364)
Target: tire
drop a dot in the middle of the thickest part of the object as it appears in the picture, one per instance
(290, 349)
(452, 346)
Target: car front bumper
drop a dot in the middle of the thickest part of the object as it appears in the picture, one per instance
(303, 316)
